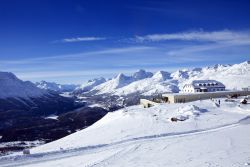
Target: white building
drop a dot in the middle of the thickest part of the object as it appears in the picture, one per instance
(203, 86)
(187, 97)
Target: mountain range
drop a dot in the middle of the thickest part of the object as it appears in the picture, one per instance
(56, 87)
(39, 111)
(29, 113)
(149, 83)
(145, 83)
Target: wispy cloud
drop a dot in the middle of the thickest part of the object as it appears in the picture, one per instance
(224, 36)
(107, 51)
(80, 39)
(208, 47)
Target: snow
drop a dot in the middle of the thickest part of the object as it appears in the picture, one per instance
(146, 83)
(55, 86)
(12, 87)
(148, 86)
(96, 105)
(21, 143)
(55, 117)
(189, 111)
(161, 75)
(66, 94)
(121, 80)
(135, 136)
(90, 84)
(237, 76)
(205, 133)
(141, 74)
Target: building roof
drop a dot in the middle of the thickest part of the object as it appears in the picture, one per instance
(206, 83)
(200, 93)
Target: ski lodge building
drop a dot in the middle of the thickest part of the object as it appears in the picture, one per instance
(188, 97)
(197, 90)
(203, 86)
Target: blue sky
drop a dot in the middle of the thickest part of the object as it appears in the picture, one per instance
(71, 41)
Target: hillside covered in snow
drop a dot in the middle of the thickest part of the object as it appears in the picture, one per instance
(56, 87)
(145, 83)
(209, 135)
(200, 133)
(24, 108)
(12, 87)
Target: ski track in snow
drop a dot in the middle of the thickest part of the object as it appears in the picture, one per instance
(22, 160)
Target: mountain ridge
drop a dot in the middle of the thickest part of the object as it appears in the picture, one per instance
(11, 86)
(55, 86)
(163, 81)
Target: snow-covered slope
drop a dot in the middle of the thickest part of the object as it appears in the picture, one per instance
(145, 83)
(232, 76)
(56, 87)
(135, 122)
(90, 85)
(141, 74)
(12, 87)
(121, 80)
(135, 136)
(160, 82)
(17, 95)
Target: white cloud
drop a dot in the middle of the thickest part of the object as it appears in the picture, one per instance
(81, 39)
(224, 36)
(68, 57)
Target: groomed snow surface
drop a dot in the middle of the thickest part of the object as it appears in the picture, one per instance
(134, 136)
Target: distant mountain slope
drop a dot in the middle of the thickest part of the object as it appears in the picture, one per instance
(89, 85)
(12, 87)
(145, 83)
(16, 94)
(158, 83)
(25, 112)
(55, 86)
(121, 80)
(234, 76)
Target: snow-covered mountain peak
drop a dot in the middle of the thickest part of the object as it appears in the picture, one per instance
(145, 83)
(12, 87)
(7, 76)
(217, 67)
(55, 86)
(197, 69)
(162, 75)
(180, 74)
(89, 85)
(121, 76)
(101, 79)
(245, 63)
(121, 80)
(141, 74)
